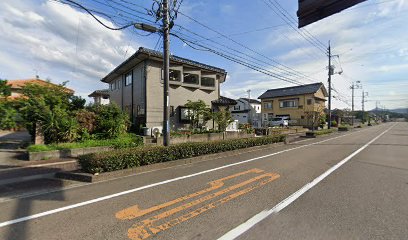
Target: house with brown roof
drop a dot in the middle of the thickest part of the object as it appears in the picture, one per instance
(17, 86)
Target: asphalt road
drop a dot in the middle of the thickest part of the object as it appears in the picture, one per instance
(363, 194)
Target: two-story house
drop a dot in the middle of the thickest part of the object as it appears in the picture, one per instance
(136, 85)
(294, 103)
(100, 97)
(247, 111)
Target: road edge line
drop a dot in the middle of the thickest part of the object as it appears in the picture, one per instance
(242, 228)
(84, 203)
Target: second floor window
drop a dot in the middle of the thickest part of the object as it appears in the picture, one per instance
(237, 107)
(174, 75)
(288, 104)
(190, 78)
(128, 79)
(309, 101)
(113, 85)
(268, 105)
(207, 82)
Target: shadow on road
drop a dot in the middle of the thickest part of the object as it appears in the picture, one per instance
(26, 206)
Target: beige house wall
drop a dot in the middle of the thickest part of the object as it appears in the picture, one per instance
(179, 95)
(299, 112)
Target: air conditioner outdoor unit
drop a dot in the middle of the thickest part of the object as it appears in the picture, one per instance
(157, 131)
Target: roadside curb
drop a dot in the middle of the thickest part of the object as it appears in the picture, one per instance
(33, 172)
(87, 177)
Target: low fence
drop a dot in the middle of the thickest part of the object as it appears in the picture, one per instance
(205, 137)
(66, 153)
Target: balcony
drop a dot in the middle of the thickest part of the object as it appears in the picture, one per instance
(175, 77)
(191, 80)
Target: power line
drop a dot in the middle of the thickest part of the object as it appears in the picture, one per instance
(294, 20)
(242, 53)
(201, 47)
(283, 16)
(242, 45)
(97, 19)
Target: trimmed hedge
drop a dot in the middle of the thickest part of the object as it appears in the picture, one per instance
(125, 141)
(325, 131)
(343, 128)
(135, 157)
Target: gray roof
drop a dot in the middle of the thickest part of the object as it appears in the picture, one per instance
(293, 91)
(102, 92)
(224, 101)
(254, 101)
(144, 53)
(241, 111)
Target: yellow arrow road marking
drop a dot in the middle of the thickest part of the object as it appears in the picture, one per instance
(134, 211)
(146, 228)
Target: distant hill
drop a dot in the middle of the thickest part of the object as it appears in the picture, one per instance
(396, 110)
(399, 110)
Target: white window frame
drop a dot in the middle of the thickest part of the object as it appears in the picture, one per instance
(268, 105)
(127, 82)
(294, 105)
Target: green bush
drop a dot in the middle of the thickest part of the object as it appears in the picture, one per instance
(343, 128)
(135, 157)
(324, 131)
(124, 141)
(110, 121)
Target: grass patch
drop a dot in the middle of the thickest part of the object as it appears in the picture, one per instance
(135, 157)
(124, 141)
(324, 131)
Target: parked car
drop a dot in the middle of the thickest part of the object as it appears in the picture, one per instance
(279, 121)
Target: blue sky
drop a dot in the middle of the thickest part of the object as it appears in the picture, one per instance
(64, 44)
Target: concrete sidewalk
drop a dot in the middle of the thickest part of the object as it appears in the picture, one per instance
(11, 152)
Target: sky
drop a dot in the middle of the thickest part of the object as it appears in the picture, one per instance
(63, 43)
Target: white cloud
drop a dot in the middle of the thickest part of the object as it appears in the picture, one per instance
(59, 42)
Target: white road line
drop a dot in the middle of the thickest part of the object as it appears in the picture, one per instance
(57, 210)
(239, 230)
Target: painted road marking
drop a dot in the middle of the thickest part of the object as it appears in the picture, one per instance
(236, 232)
(95, 200)
(148, 227)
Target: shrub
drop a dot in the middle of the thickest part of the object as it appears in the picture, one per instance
(135, 157)
(124, 141)
(110, 121)
(343, 128)
(324, 131)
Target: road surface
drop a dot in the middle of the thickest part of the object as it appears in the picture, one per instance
(344, 186)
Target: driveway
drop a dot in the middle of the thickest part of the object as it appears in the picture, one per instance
(11, 153)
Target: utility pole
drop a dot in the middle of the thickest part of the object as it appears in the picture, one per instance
(365, 94)
(166, 66)
(249, 107)
(330, 73)
(353, 86)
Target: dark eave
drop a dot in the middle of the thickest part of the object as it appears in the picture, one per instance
(145, 53)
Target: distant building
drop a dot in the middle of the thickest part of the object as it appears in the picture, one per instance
(294, 103)
(136, 85)
(247, 111)
(17, 86)
(100, 97)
